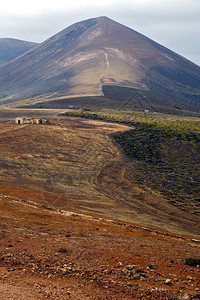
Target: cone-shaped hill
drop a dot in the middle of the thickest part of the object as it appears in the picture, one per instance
(88, 55)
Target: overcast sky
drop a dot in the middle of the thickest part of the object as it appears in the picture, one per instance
(173, 23)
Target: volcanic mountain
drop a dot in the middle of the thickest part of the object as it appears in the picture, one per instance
(86, 56)
(11, 48)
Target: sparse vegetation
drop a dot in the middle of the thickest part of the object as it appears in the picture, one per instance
(165, 149)
(170, 160)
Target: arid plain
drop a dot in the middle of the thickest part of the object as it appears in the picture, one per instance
(75, 226)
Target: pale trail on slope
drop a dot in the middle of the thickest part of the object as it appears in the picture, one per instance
(99, 90)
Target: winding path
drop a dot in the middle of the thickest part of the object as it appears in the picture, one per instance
(99, 90)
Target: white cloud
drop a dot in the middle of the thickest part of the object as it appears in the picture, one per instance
(23, 7)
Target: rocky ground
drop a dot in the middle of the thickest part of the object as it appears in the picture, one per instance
(50, 254)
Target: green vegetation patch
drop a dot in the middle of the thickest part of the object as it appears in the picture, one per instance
(170, 160)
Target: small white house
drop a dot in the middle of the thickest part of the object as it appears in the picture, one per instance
(25, 120)
(22, 120)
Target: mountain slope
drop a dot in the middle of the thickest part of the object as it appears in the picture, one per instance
(11, 48)
(85, 56)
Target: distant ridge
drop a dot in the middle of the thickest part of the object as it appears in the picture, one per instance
(12, 48)
(81, 59)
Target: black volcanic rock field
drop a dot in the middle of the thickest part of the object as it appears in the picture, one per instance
(84, 57)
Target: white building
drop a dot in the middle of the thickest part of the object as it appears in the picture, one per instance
(22, 120)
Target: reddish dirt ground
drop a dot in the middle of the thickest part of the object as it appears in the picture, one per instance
(91, 248)
(61, 255)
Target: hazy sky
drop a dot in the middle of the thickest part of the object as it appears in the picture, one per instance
(173, 23)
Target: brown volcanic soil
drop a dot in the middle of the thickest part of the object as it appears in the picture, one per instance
(97, 252)
(74, 164)
(48, 175)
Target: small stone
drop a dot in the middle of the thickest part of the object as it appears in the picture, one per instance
(186, 297)
(131, 267)
(120, 264)
(168, 281)
(150, 266)
(190, 278)
(196, 241)
(130, 284)
(62, 250)
(9, 255)
(171, 261)
(128, 273)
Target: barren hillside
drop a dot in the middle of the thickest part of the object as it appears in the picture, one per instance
(85, 56)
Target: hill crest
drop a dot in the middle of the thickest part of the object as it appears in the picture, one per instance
(83, 57)
(12, 48)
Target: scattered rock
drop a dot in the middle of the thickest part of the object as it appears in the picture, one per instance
(150, 266)
(168, 281)
(140, 272)
(196, 241)
(65, 266)
(120, 264)
(8, 255)
(129, 273)
(62, 250)
(107, 271)
(130, 284)
(130, 267)
(186, 297)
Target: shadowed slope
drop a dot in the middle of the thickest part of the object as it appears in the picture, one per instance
(11, 48)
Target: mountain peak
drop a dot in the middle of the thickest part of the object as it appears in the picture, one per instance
(87, 55)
